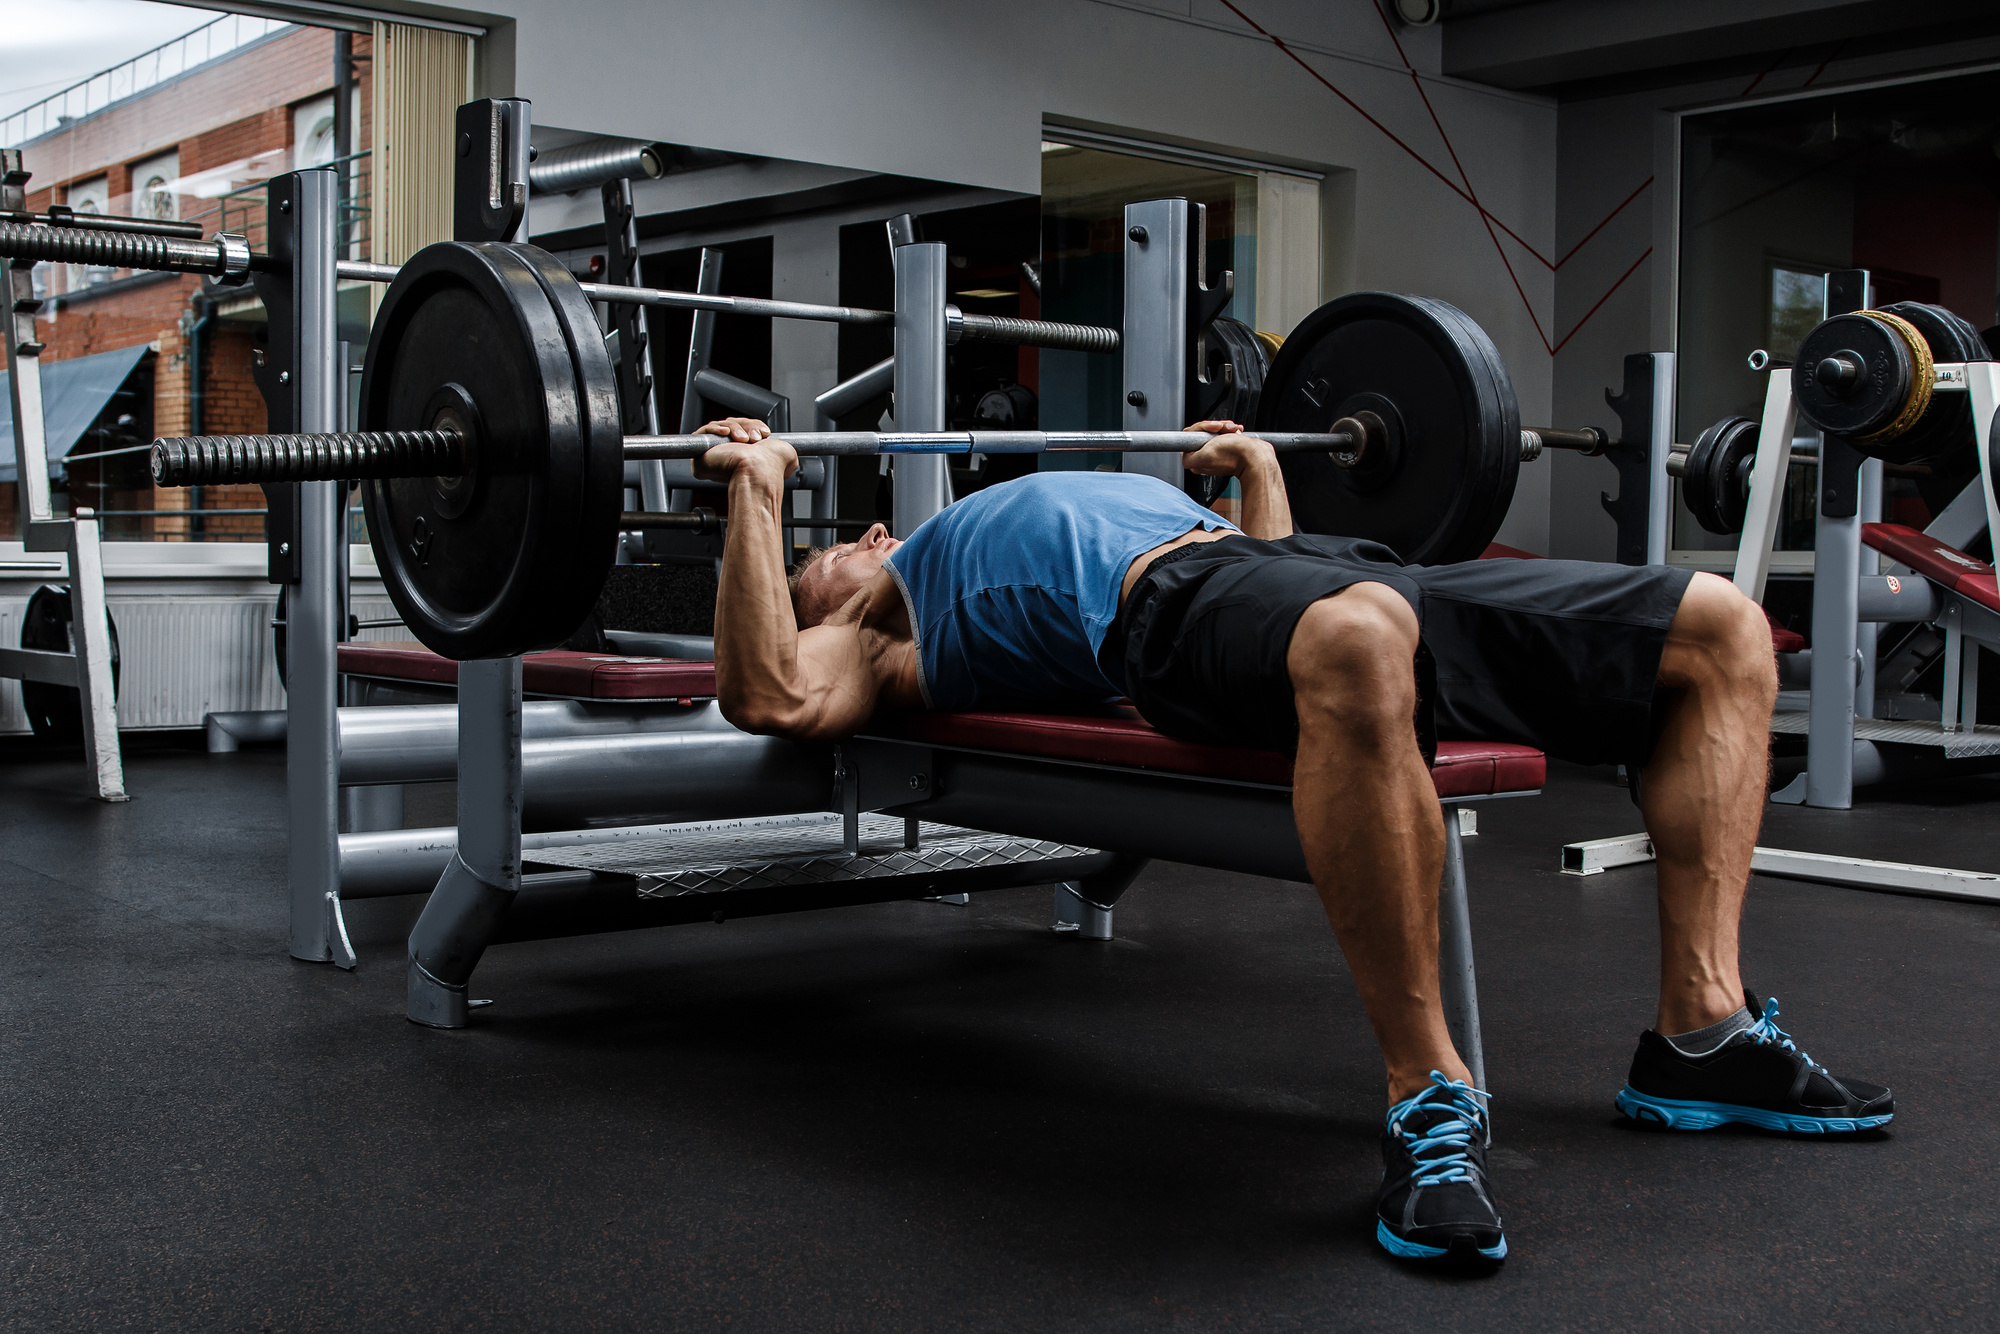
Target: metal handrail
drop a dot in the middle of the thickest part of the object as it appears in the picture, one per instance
(15, 128)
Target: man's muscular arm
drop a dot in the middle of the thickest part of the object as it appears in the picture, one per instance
(1267, 511)
(770, 678)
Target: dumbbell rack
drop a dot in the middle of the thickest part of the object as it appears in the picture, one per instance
(87, 666)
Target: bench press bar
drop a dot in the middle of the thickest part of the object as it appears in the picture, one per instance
(349, 455)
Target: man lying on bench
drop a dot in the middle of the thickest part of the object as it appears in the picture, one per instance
(1077, 587)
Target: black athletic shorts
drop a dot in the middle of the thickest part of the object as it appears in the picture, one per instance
(1559, 655)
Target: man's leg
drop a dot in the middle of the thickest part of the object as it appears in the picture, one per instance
(1374, 842)
(1369, 819)
(1703, 798)
(1703, 792)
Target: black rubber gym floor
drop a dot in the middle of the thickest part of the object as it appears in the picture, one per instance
(921, 1117)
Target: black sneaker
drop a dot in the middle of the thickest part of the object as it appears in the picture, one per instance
(1757, 1077)
(1434, 1202)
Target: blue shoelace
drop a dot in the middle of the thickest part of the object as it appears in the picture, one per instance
(1447, 1142)
(1766, 1030)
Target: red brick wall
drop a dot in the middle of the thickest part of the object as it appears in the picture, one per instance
(232, 406)
(239, 109)
(80, 326)
(278, 73)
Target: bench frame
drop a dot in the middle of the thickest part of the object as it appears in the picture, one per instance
(1131, 814)
(1225, 824)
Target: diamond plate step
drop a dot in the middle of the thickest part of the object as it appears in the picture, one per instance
(1981, 740)
(792, 851)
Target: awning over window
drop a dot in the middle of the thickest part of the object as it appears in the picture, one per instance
(74, 393)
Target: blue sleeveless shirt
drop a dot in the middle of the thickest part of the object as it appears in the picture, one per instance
(1012, 590)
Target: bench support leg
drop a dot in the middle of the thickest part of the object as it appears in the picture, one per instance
(465, 910)
(1458, 989)
(1084, 906)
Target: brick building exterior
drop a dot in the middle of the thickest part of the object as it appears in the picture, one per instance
(229, 124)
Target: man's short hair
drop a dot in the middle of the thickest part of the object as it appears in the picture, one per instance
(795, 582)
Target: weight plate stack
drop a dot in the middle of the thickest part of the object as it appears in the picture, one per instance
(1856, 375)
(1716, 484)
(1441, 485)
(495, 341)
(1945, 429)
(1232, 354)
(1866, 378)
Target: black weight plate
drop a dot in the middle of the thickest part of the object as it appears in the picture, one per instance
(596, 474)
(1945, 429)
(1875, 397)
(1501, 419)
(55, 713)
(1429, 368)
(1716, 483)
(491, 564)
(1232, 355)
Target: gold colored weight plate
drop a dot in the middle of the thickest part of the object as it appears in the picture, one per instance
(1920, 379)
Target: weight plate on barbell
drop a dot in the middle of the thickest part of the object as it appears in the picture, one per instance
(509, 557)
(1440, 491)
(1945, 429)
(1716, 483)
(1232, 355)
(1871, 393)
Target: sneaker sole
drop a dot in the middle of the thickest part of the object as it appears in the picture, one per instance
(1674, 1114)
(1416, 1250)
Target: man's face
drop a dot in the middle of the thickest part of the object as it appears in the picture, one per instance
(842, 572)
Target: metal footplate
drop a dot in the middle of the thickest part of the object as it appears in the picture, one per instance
(799, 852)
(1973, 741)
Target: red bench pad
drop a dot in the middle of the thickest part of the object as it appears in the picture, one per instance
(556, 672)
(1121, 737)
(1783, 640)
(1941, 564)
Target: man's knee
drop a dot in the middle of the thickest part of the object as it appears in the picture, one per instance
(1352, 660)
(1720, 639)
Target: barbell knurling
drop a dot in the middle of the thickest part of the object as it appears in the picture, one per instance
(210, 460)
(116, 250)
(1038, 333)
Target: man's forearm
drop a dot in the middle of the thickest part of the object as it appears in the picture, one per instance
(1267, 511)
(756, 634)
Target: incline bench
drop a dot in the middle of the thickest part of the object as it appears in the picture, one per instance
(1068, 784)
(1970, 615)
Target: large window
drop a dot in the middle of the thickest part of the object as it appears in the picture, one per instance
(1903, 181)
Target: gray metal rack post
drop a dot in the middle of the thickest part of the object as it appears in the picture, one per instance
(304, 224)
(923, 484)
